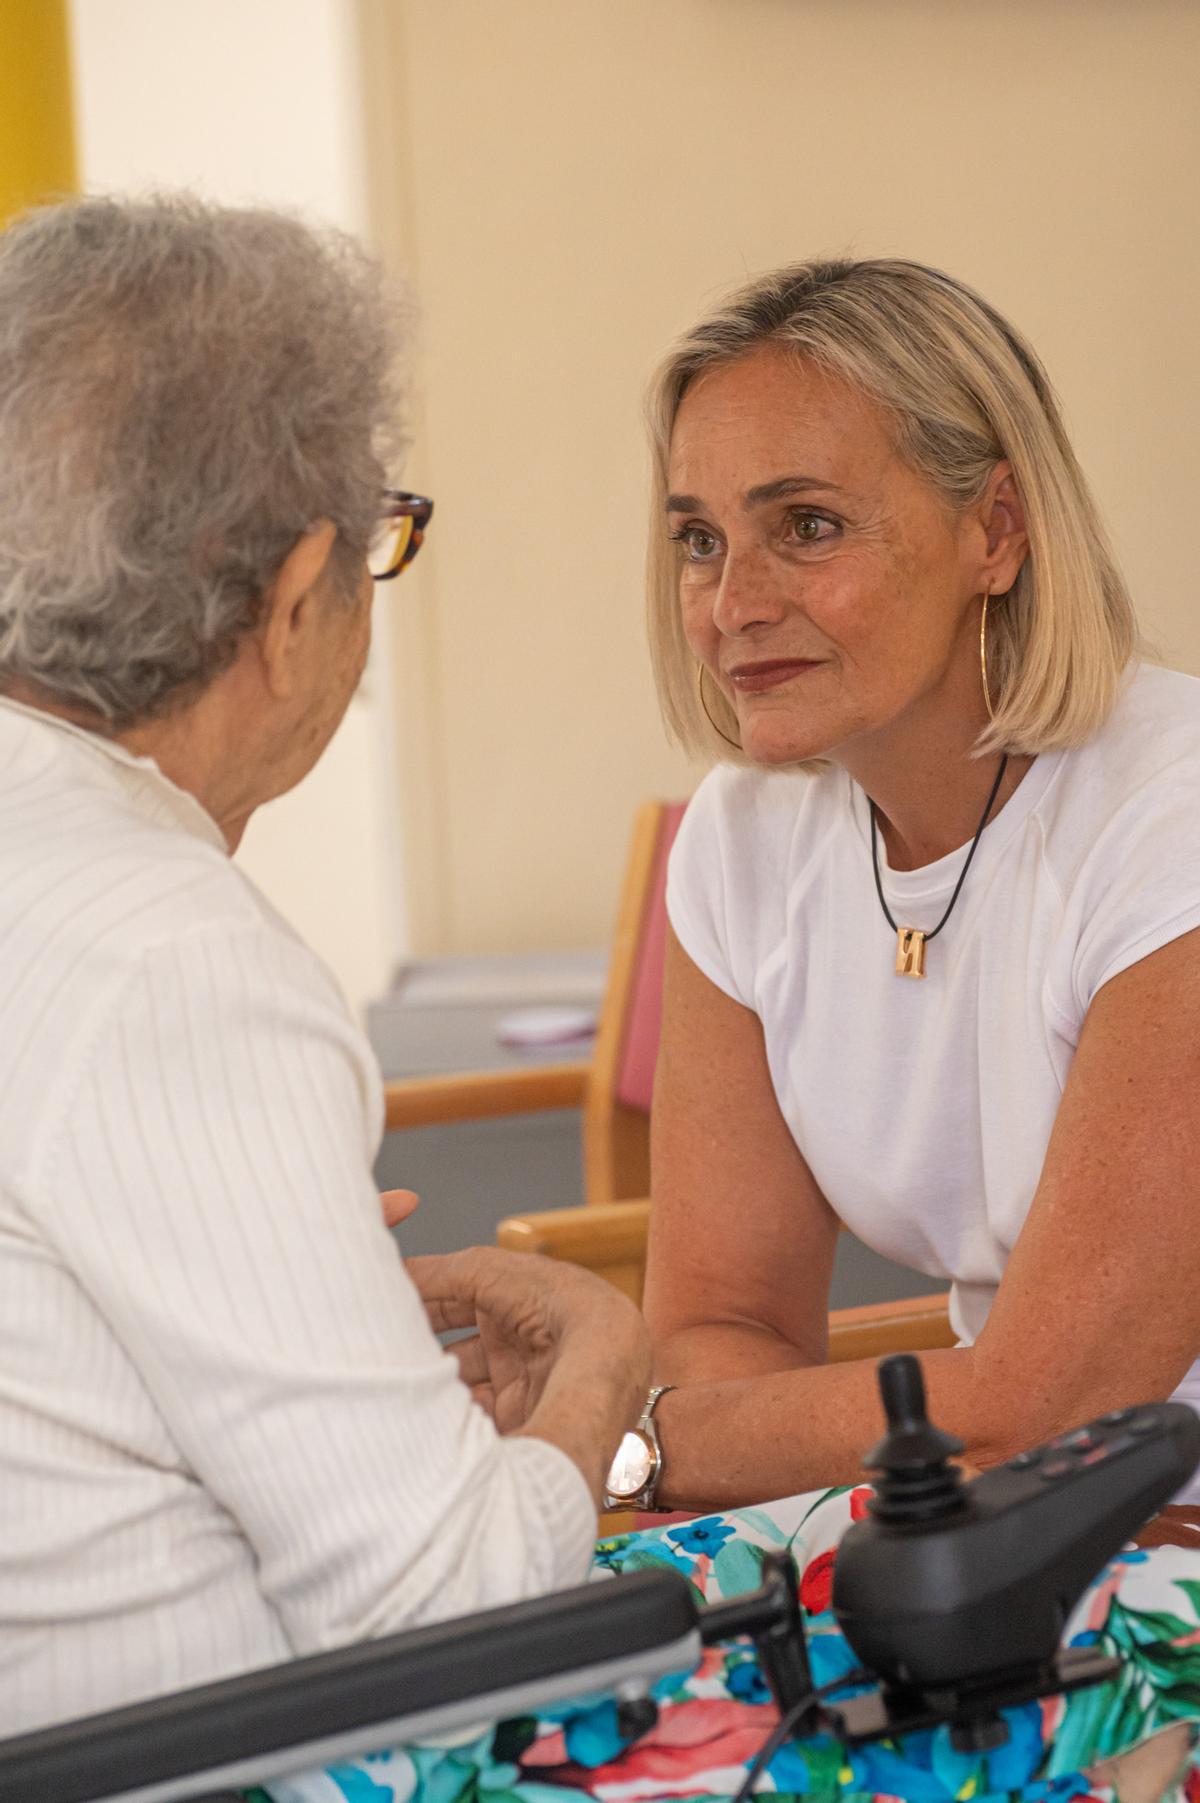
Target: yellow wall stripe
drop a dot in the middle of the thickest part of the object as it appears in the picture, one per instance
(37, 136)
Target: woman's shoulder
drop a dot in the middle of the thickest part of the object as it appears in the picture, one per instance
(1151, 736)
(732, 863)
(1133, 789)
(1159, 698)
(1121, 836)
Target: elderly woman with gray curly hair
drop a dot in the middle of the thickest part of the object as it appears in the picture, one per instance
(227, 1429)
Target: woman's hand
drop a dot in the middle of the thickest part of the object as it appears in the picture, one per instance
(557, 1352)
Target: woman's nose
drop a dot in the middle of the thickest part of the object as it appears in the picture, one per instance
(749, 594)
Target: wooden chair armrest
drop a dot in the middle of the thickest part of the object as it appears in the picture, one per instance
(917, 1324)
(607, 1237)
(483, 1095)
(610, 1238)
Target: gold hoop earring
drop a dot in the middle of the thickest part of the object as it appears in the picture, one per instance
(987, 694)
(704, 710)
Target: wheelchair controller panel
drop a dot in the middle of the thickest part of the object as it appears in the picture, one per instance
(957, 1591)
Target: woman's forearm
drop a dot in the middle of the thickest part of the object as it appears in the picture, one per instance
(747, 1439)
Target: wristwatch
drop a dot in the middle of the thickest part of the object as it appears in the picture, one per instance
(633, 1476)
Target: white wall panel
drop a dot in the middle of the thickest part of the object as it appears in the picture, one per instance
(258, 100)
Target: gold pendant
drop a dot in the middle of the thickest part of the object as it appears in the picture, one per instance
(910, 952)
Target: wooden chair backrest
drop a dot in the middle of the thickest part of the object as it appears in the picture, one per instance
(616, 1122)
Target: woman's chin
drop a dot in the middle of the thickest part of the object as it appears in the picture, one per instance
(776, 743)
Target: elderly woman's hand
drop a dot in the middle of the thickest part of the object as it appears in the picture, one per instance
(558, 1353)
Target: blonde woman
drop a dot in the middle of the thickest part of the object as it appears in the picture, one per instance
(934, 970)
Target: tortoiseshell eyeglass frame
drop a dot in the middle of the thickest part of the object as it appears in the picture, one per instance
(398, 504)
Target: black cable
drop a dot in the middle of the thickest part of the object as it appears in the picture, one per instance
(787, 1722)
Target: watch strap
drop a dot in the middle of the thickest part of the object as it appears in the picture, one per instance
(651, 1403)
(644, 1498)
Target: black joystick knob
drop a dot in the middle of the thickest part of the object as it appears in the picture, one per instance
(915, 1483)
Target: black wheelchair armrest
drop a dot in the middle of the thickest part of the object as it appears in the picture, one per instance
(314, 1711)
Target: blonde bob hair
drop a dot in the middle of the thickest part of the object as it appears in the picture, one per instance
(962, 390)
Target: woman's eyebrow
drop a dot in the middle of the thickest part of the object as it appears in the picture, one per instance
(787, 485)
(761, 494)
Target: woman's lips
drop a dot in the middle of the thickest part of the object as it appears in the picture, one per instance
(753, 679)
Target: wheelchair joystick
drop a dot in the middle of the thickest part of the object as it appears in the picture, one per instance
(916, 1482)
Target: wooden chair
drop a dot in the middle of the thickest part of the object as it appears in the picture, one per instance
(613, 1088)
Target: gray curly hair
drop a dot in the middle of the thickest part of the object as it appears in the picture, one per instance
(184, 389)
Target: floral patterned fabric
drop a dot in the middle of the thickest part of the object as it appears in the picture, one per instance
(1145, 1607)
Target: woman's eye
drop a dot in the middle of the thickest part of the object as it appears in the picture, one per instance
(698, 542)
(811, 528)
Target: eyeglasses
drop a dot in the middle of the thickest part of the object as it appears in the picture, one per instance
(404, 520)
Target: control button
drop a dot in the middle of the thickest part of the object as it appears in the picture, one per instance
(1094, 1457)
(1024, 1460)
(1143, 1424)
(1079, 1441)
(1115, 1417)
(1057, 1468)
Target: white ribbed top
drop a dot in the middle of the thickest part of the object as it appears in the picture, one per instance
(226, 1431)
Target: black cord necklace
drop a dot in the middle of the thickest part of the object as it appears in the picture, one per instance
(911, 941)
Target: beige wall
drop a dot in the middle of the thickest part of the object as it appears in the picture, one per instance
(263, 103)
(569, 180)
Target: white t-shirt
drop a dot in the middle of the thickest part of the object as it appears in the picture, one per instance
(227, 1433)
(924, 1109)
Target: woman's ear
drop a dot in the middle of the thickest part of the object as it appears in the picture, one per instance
(290, 615)
(1001, 515)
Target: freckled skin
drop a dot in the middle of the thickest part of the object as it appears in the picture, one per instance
(887, 601)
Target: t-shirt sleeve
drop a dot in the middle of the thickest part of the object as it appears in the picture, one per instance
(1139, 886)
(213, 1196)
(700, 899)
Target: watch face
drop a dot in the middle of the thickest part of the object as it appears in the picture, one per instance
(633, 1466)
